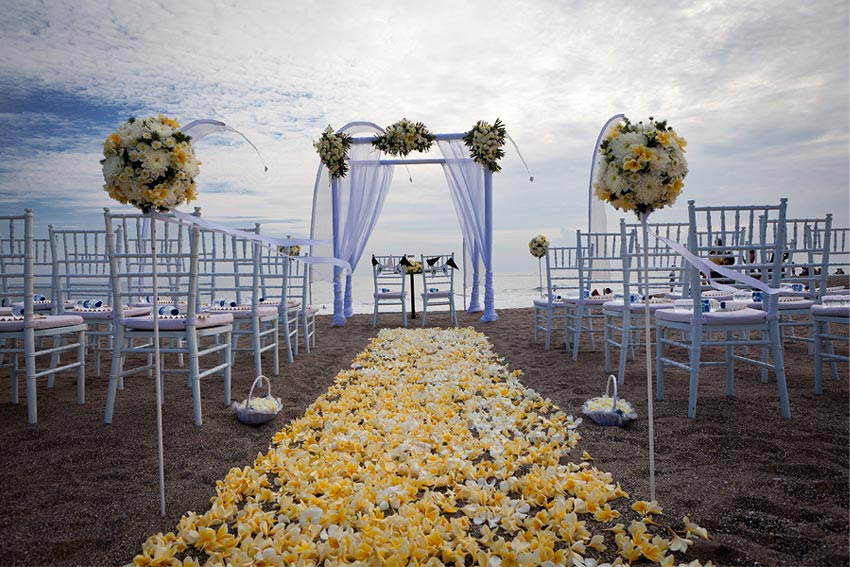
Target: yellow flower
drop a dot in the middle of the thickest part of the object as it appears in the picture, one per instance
(693, 529)
(632, 164)
(643, 507)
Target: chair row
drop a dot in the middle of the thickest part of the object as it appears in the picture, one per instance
(390, 275)
(213, 288)
(601, 280)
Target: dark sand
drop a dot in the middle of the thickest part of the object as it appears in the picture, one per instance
(770, 491)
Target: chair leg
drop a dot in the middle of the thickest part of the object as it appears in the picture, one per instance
(288, 338)
(13, 377)
(625, 338)
(227, 371)
(577, 333)
(276, 349)
(536, 323)
(403, 312)
(194, 371)
(765, 353)
(730, 366)
(375, 316)
(115, 372)
(830, 350)
(695, 348)
(818, 358)
(779, 367)
(660, 332)
(255, 340)
(32, 402)
(81, 369)
(424, 310)
(548, 329)
(607, 338)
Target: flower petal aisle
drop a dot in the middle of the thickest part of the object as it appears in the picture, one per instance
(427, 451)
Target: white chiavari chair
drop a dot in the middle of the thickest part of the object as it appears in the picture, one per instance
(389, 281)
(22, 329)
(438, 284)
(561, 281)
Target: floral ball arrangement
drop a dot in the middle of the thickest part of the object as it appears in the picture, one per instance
(485, 144)
(642, 166)
(404, 137)
(293, 250)
(538, 246)
(333, 151)
(150, 164)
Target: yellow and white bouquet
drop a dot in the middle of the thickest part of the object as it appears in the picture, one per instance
(538, 246)
(150, 164)
(404, 137)
(293, 250)
(642, 166)
(415, 267)
(485, 144)
(333, 152)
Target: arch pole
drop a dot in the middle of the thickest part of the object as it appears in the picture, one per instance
(339, 308)
(489, 302)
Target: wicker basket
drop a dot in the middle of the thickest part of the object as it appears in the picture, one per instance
(246, 414)
(613, 416)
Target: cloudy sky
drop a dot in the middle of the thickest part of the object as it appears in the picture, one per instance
(759, 90)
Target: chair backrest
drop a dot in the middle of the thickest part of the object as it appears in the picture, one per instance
(17, 261)
(562, 272)
(274, 276)
(13, 242)
(80, 266)
(229, 267)
(599, 261)
(839, 251)
(131, 268)
(437, 272)
(665, 271)
(807, 252)
(388, 274)
(741, 239)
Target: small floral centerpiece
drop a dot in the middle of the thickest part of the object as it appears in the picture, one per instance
(538, 246)
(404, 137)
(642, 166)
(485, 144)
(150, 164)
(293, 250)
(333, 152)
(415, 267)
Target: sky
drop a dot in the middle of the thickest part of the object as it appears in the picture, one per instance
(760, 90)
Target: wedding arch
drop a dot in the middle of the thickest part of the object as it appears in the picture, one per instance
(346, 209)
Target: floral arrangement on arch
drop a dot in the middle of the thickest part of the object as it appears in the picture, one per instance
(150, 164)
(538, 246)
(485, 144)
(293, 250)
(642, 166)
(403, 137)
(333, 152)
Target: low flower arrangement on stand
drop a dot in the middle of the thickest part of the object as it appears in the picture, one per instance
(485, 144)
(427, 451)
(333, 152)
(415, 267)
(404, 137)
(642, 166)
(150, 164)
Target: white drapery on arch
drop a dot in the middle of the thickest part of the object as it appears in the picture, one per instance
(346, 210)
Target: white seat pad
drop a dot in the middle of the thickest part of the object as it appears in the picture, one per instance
(635, 307)
(262, 311)
(41, 323)
(106, 314)
(204, 320)
(436, 294)
(543, 303)
(740, 317)
(829, 311)
(390, 295)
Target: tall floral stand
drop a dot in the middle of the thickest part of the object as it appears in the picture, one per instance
(157, 367)
(647, 339)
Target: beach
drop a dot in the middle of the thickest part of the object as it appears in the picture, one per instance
(769, 491)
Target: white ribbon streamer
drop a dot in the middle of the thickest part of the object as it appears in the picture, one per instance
(269, 241)
(707, 267)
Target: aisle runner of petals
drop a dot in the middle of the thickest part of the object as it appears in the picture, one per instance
(426, 452)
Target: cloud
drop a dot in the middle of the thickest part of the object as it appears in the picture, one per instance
(760, 91)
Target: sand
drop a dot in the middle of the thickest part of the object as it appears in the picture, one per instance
(770, 491)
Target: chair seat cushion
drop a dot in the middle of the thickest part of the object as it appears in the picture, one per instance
(262, 311)
(837, 290)
(42, 323)
(745, 316)
(310, 311)
(168, 324)
(618, 307)
(717, 294)
(106, 314)
(436, 294)
(587, 300)
(786, 304)
(559, 304)
(830, 311)
(389, 295)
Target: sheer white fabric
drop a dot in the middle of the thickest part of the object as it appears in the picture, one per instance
(466, 186)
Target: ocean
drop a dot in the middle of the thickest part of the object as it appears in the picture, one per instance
(510, 291)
